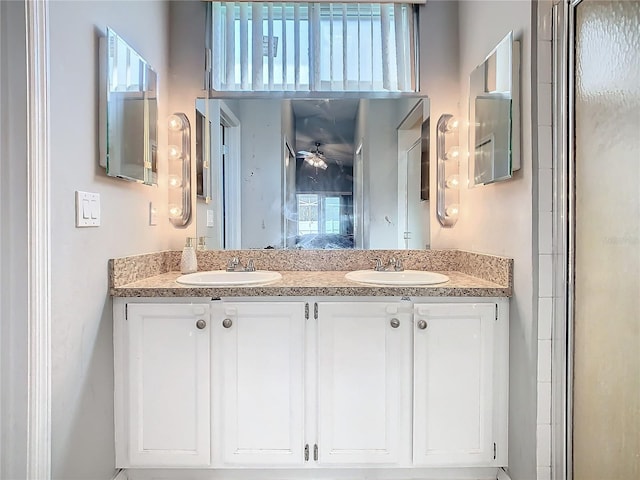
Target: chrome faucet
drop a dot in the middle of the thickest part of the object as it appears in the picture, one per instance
(392, 265)
(397, 264)
(234, 265)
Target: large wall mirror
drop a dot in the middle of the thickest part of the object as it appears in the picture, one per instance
(128, 112)
(328, 173)
(494, 140)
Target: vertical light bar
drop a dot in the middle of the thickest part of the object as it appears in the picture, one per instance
(270, 49)
(244, 45)
(296, 45)
(217, 45)
(283, 49)
(345, 50)
(401, 48)
(256, 57)
(385, 23)
(230, 54)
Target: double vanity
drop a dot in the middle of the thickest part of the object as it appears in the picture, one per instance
(320, 367)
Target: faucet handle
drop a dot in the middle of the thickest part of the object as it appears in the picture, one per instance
(398, 266)
(232, 264)
(378, 267)
(250, 266)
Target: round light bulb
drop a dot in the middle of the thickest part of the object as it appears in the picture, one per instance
(452, 211)
(452, 154)
(174, 210)
(174, 152)
(453, 181)
(175, 181)
(175, 123)
(452, 124)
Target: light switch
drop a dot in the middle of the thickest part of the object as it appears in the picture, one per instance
(209, 218)
(87, 209)
(95, 209)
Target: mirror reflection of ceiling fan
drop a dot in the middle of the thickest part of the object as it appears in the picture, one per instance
(314, 158)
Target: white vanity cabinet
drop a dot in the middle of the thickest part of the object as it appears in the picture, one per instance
(311, 384)
(258, 366)
(162, 385)
(363, 355)
(460, 385)
(261, 383)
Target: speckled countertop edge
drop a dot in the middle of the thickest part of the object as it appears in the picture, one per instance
(313, 283)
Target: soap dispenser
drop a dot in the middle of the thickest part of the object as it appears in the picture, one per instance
(188, 262)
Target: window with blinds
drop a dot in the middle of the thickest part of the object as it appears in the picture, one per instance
(312, 46)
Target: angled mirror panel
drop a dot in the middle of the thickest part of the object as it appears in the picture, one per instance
(128, 113)
(493, 116)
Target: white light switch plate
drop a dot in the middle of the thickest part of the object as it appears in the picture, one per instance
(87, 209)
(209, 218)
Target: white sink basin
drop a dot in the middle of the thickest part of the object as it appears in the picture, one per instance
(406, 277)
(217, 278)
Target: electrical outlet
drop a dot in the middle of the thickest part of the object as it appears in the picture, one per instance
(209, 218)
(153, 215)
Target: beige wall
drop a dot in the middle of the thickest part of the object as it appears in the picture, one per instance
(498, 218)
(82, 351)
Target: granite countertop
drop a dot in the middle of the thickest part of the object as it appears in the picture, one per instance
(313, 283)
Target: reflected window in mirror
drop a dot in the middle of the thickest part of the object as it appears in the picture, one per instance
(313, 46)
(128, 112)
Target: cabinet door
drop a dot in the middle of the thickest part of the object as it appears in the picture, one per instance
(259, 362)
(364, 383)
(453, 384)
(168, 384)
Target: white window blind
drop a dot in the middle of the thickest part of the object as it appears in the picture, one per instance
(312, 46)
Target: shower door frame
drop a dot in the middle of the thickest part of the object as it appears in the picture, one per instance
(563, 135)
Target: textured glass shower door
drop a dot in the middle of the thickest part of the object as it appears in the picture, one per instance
(606, 367)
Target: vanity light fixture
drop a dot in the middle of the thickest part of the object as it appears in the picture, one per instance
(447, 179)
(179, 179)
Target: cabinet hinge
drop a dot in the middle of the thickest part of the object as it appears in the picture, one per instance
(315, 311)
(126, 311)
(306, 452)
(315, 452)
(495, 450)
(306, 311)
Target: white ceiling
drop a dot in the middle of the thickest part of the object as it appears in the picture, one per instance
(330, 122)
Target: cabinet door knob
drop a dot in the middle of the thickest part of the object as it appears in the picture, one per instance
(395, 323)
(227, 322)
(200, 324)
(422, 324)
